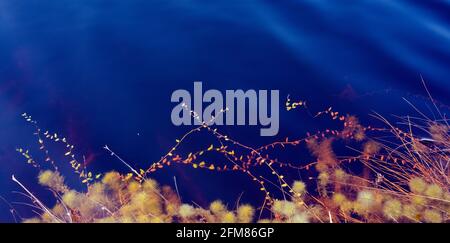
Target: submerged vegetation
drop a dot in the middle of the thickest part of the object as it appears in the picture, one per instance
(403, 177)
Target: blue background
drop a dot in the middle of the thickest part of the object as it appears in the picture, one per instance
(102, 72)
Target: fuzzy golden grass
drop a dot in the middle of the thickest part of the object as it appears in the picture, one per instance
(404, 178)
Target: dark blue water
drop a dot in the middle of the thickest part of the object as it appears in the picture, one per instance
(102, 72)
